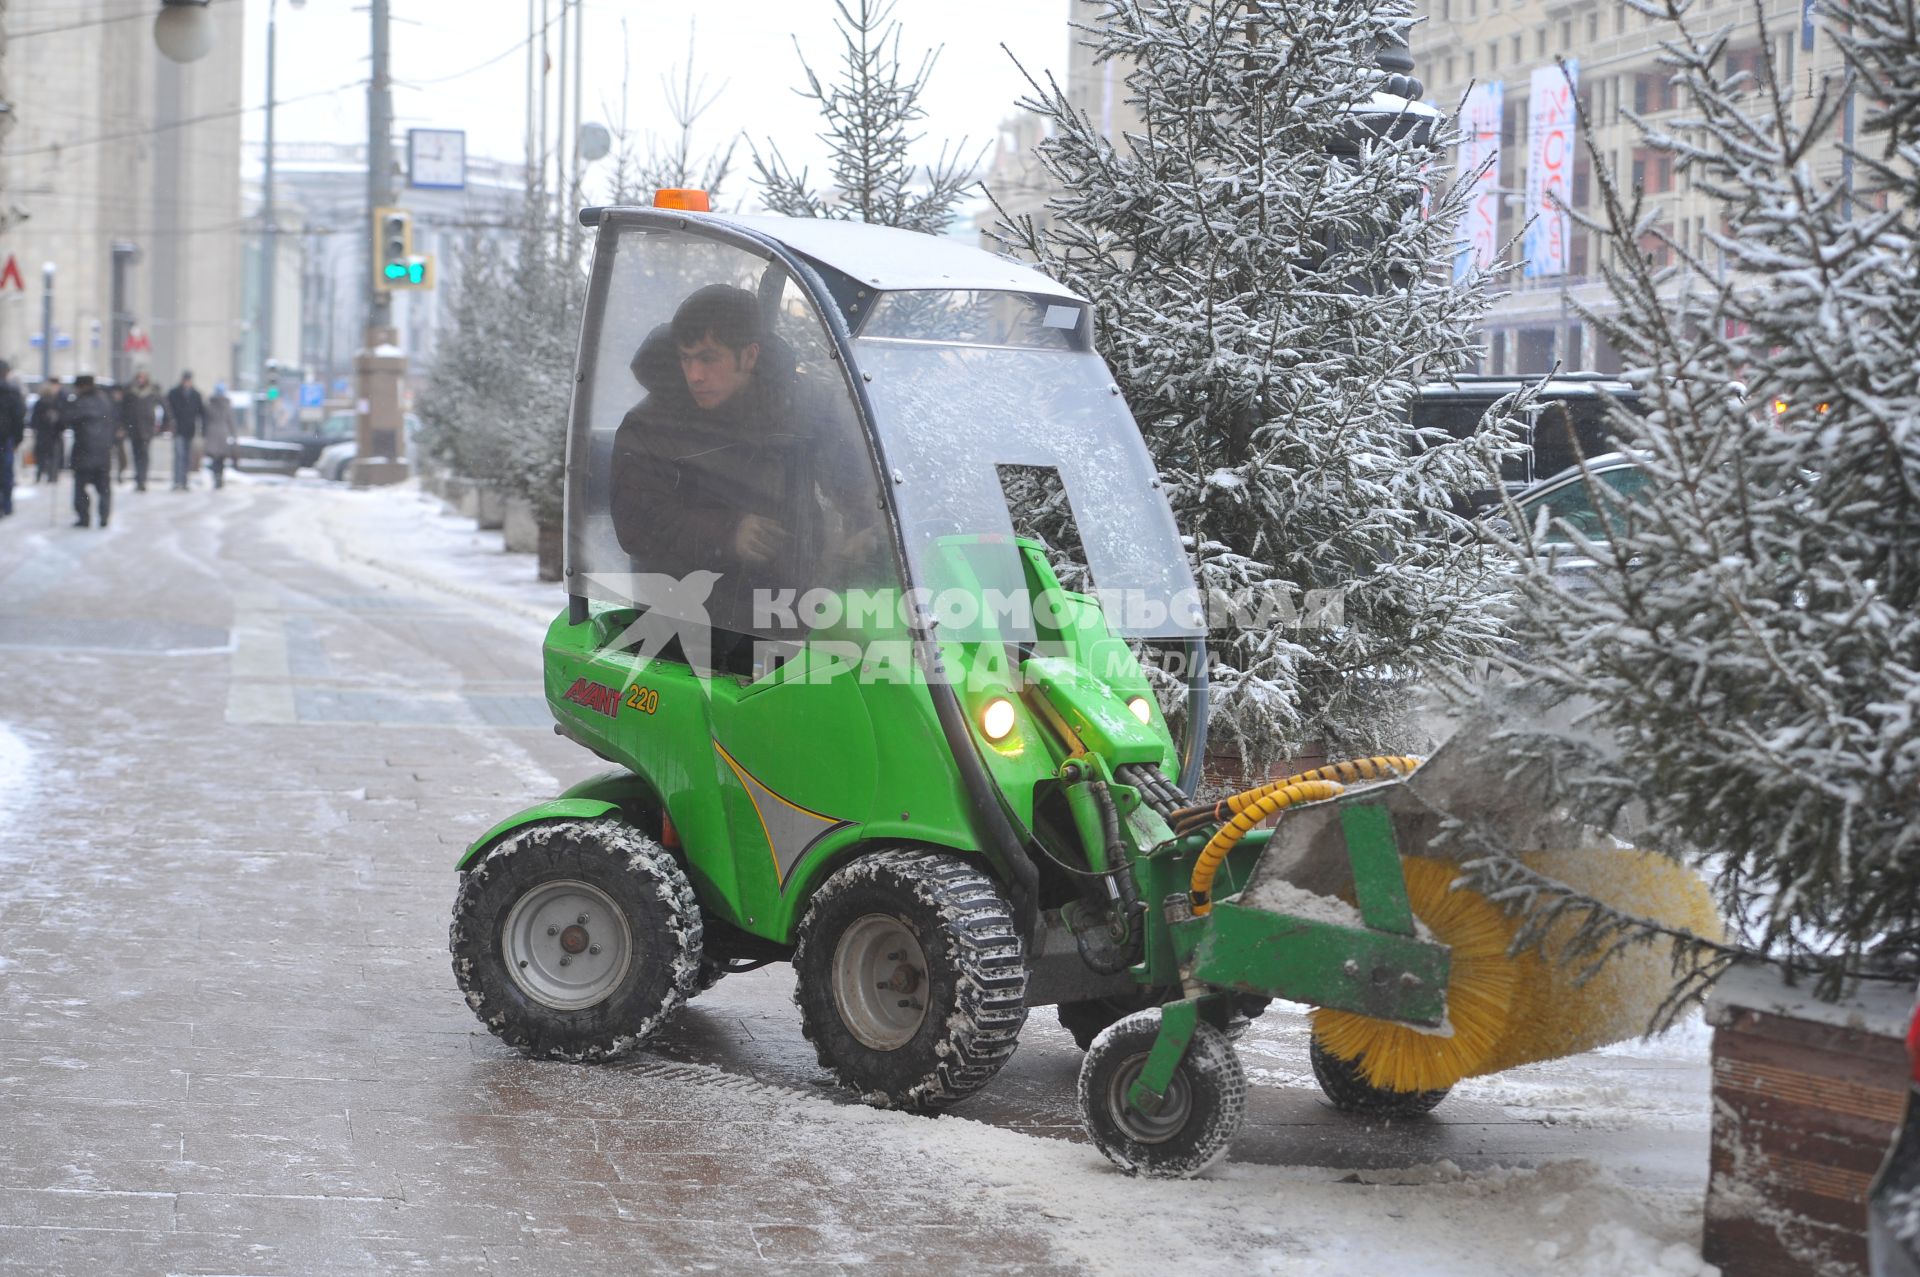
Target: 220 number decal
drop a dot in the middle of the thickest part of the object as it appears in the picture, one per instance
(644, 699)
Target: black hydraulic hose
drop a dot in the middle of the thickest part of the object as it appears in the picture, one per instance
(1193, 763)
(984, 795)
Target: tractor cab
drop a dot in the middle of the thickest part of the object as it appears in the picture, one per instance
(804, 431)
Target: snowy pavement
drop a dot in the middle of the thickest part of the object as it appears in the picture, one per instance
(243, 738)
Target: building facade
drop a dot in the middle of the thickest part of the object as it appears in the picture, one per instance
(120, 170)
(322, 245)
(1506, 54)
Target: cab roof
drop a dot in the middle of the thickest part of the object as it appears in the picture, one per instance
(884, 257)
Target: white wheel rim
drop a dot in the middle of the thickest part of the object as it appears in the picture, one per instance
(880, 982)
(566, 944)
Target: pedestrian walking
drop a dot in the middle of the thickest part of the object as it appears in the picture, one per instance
(49, 450)
(13, 430)
(188, 413)
(139, 407)
(220, 432)
(117, 397)
(94, 421)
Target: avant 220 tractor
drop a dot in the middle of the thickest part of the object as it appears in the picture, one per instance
(858, 724)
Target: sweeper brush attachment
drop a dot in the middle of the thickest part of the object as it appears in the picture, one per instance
(1506, 1008)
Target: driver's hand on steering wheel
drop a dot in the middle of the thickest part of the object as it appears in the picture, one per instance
(757, 538)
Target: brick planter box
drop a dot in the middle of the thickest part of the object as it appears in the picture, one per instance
(1806, 1098)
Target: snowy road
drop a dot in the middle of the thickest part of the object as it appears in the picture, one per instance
(242, 738)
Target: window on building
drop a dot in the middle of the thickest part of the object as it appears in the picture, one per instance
(1498, 342)
(1620, 19)
(1566, 37)
(1519, 48)
(1449, 70)
(1469, 64)
(1750, 62)
(1540, 42)
(1654, 91)
(1593, 26)
(1577, 254)
(1652, 171)
(1446, 10)
(1493, 56)
(1655, 248)
(1473, 8)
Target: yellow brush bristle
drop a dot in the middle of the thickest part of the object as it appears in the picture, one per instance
(1559, 1016)
(1507, 1011)
(1482, 991)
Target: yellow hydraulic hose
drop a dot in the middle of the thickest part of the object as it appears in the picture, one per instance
(1190, 819)
(1222, 842)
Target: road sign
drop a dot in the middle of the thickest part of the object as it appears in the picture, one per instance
(312, 394)
(137, 342)
(10, 276)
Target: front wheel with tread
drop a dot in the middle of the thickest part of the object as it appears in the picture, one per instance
(1348, 1089)
(1203, 1109)
(575, 940)
(911, 978)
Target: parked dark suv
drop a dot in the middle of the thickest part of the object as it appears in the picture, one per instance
(1571, 408)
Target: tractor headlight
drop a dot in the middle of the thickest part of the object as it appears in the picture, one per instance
(997, 719)
(1141, 710)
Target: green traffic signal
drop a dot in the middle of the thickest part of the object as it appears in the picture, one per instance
(273, 392)
(400, 270)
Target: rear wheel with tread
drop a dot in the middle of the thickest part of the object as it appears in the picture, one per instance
(911, 978)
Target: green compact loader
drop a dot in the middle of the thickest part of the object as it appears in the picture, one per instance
(860, 723)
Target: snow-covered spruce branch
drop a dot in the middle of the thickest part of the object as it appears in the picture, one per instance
(1750, 630)
(869, 113)
(1273, 281)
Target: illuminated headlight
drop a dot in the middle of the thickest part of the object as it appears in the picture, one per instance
(1141, 710)
(997, 719)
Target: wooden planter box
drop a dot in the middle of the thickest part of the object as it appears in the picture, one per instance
(1806, 1098)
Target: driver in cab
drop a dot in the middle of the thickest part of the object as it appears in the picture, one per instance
(719, 467)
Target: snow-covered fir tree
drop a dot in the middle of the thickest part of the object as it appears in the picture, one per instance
(498, 390)
(1273, 279)
(870, 112)
(1746, 659)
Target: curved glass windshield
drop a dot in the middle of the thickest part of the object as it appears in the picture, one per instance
(969, 424)
(718, 473)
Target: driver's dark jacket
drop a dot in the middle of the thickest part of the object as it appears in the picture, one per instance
(92, 418)
(683, 477)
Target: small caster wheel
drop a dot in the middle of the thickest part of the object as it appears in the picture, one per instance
(1204, 1106)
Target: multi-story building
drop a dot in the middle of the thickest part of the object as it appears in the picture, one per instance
(120, 170)
(1508, 50)
(320, 296)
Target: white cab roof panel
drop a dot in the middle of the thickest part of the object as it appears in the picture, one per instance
(888, 258)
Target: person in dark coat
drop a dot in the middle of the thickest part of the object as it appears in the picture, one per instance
(187, 412)
(220, 433)
(140, 404)
(13, 430)
(48, 447)
(94, 422)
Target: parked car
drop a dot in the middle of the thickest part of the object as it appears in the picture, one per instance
(1567, 503)
(1572, 409)
(336, 459)
(337, 426)
(1893, 1205)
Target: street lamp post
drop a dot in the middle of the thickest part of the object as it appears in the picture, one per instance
(270, 241)
(46, 322)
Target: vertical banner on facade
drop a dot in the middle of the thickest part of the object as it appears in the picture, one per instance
(1480, 145)
(1551, 150)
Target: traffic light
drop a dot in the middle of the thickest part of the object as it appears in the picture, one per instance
(395, 264)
